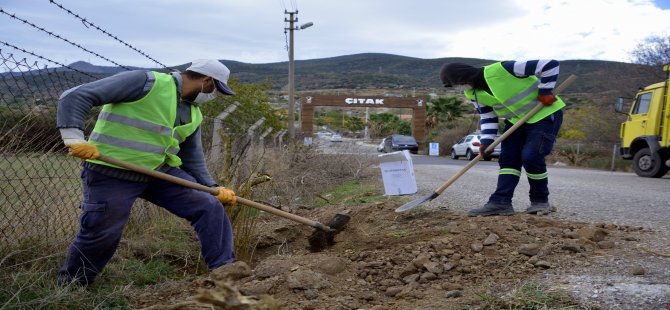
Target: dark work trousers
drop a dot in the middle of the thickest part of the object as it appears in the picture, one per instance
(527, 147)
(105, 210)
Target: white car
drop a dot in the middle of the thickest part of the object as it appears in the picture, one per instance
(323, 134)
(335, 138)
(468, 146)
(380, 147)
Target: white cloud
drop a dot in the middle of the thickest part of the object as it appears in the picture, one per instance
(174, 31)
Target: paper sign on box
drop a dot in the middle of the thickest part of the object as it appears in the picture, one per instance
(398, 173)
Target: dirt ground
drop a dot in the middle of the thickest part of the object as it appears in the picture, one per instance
(433, 259)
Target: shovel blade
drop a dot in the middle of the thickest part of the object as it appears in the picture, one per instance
(416, 202)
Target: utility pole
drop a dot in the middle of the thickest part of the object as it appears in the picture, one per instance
(292, 19)
(291, 74)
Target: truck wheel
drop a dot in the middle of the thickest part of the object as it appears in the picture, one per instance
(649, 165)
(453, 154)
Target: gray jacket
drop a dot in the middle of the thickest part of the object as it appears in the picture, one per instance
(75, 105)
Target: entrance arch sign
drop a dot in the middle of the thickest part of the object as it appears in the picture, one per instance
(418, 106)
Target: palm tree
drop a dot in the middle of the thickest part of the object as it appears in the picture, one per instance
(444, 109)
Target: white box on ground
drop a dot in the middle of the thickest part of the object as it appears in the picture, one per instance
(398, 173)
(433, 149)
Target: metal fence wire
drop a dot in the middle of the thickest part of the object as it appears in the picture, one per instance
(39, 186)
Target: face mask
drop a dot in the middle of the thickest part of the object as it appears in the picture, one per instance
(204, 97)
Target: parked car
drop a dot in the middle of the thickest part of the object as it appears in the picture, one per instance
(380, 147)
(468, 146)
(323, 134)
(399, 143)
(335, 138)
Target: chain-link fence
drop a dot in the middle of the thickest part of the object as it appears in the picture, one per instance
(40, 187)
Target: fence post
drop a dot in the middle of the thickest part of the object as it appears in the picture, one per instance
(252, 128)
(215, 151)
(276, 139)
(262, 137)
(281, 137)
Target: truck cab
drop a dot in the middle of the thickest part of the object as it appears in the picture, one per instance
(645, 135)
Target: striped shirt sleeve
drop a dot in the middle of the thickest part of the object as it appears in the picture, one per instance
(545, 69)
(488, 123)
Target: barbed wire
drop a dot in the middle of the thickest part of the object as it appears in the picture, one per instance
(46, 59)
(87, 23)
(61, 38)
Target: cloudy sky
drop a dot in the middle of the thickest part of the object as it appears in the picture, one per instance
(176, 31)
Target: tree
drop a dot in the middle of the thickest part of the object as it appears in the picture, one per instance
(384, 124)
(654, 51)
(443, 110)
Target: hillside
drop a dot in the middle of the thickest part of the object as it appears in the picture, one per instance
(391, 71)
(598, 80)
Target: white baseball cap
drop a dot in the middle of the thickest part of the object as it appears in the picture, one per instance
(215, 69)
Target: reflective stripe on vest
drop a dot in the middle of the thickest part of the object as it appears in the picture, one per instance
(143, 132)
(512, 97)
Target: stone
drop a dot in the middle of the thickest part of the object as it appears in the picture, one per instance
(530, 249)
(233, 271)
(428, 276)
(433, 267)
(491, 239)
(606, 244)
(306, 279)
(411, 278)
(573, 247)
(421, 260)
(272, 267)
(407, 270)
(542, 264)
(454, 294)
(637, 270)
(452, 228)
(258, 287)
(476, 247)
(594, 234)
(311, 294)
(331, 265)
(393, 291)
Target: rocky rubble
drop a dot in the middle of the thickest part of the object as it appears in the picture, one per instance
(423, 259)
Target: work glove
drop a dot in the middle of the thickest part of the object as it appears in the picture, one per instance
(83, 150)
(482, 150)
(546, 100)
(226, 196)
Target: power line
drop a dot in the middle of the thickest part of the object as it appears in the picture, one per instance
(87, 23)
(61, 38)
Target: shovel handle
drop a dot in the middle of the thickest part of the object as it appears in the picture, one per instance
(213, 191)
(506, 134)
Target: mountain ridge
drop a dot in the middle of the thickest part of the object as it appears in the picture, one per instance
(597, 78)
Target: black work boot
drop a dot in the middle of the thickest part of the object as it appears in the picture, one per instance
(492, 208)
(540, 208)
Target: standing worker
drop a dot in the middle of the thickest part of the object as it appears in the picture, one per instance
(509, 89)
(151, 119)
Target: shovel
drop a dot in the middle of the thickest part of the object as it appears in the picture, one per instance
(326, 232)
(479, 157)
